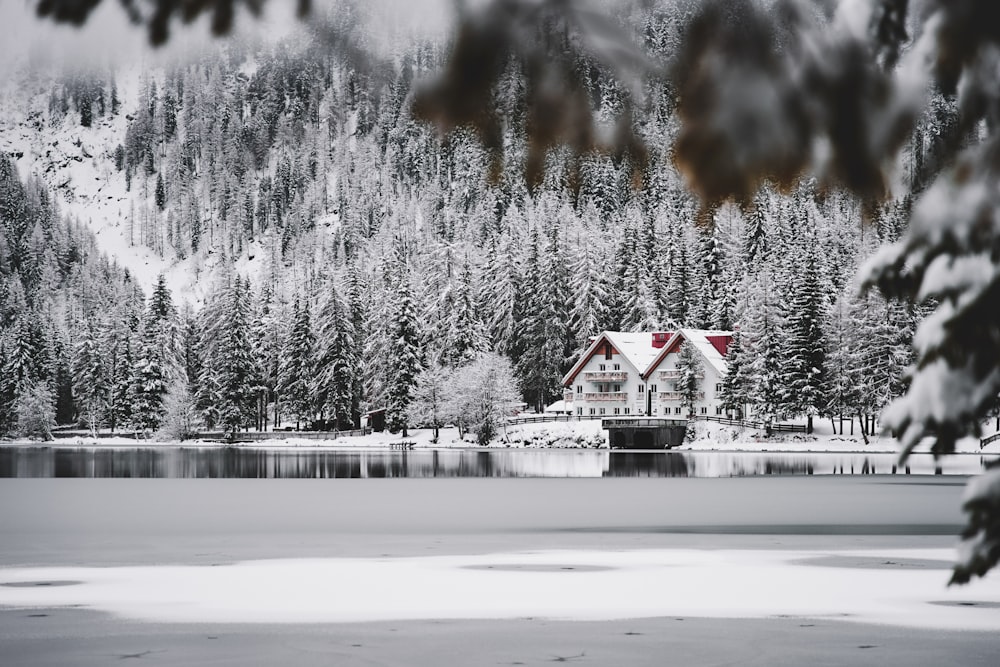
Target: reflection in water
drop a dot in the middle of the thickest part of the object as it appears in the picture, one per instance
(238, 462)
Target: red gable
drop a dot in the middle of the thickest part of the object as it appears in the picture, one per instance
(720, 343)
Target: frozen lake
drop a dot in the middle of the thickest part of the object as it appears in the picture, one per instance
(286, 463)
(503, 570)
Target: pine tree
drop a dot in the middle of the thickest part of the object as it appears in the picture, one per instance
(803, 376)
(160, 192)
(337, 361)
(298, 367)
(149, 385)
(91, 385)
(119, 368)
(589, 294)
(238, 373)
(736, 386)
(843, 361)
(691, 373)
(407, 364)
(465, 330)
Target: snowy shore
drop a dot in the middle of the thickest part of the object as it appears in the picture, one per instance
(710, 436)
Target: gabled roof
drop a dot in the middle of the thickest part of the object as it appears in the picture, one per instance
(636, 348)
(710, 343)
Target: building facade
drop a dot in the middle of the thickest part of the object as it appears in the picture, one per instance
(636, 374)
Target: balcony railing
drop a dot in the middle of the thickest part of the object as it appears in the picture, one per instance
(676, 375)
(606, 376)
(606, 396)
(677, 395)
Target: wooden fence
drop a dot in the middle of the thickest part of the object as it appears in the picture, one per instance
(762, 426)
(539, 419)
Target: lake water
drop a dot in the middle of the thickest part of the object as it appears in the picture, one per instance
(253, 463)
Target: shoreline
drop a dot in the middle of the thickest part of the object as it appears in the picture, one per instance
(339, 445)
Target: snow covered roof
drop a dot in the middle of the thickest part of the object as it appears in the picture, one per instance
(637, 348)
(560, 407)
(710, 343)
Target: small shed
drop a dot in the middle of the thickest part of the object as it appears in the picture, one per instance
(374, 419)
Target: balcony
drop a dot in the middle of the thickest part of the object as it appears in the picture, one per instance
(676, 375)
(606, 396)
(606, 376)
(568, 396)
(677, 395)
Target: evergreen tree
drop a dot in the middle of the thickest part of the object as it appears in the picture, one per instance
(298, 368)
(691, 373)
(403, 373)
(149, 385)
(803, 377)
(736, 386)
(238, 376)
(90, 380)
(160, 192)
(337, 361)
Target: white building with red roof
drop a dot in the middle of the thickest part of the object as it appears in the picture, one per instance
(636, 374)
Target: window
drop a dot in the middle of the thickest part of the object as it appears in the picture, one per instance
(642, 388)
(618, 411)
(704, 410)
(617, 367)
(626, 410)
(677, 411)
(618, 387)
(607, 350)
(601, 367)
(592, 411)
(603, 411)
(579, 411)
(718, 387)
(579, 388)
(652, 388)
(718, 409)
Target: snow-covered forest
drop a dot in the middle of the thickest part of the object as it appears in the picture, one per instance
(320, 253)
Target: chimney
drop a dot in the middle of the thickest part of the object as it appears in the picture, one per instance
(661, 338)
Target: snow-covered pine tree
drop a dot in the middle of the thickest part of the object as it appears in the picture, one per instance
(762, 331)
(843, 361)
(298, 367)
(499, 290)
(465, 329)
(406, 364)
(678, 282)
(691, 372)
(238, 373)
(803, 376)
(736, 386)
(91, 386)
(589, 293)
(149, 385)
(337, 360)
